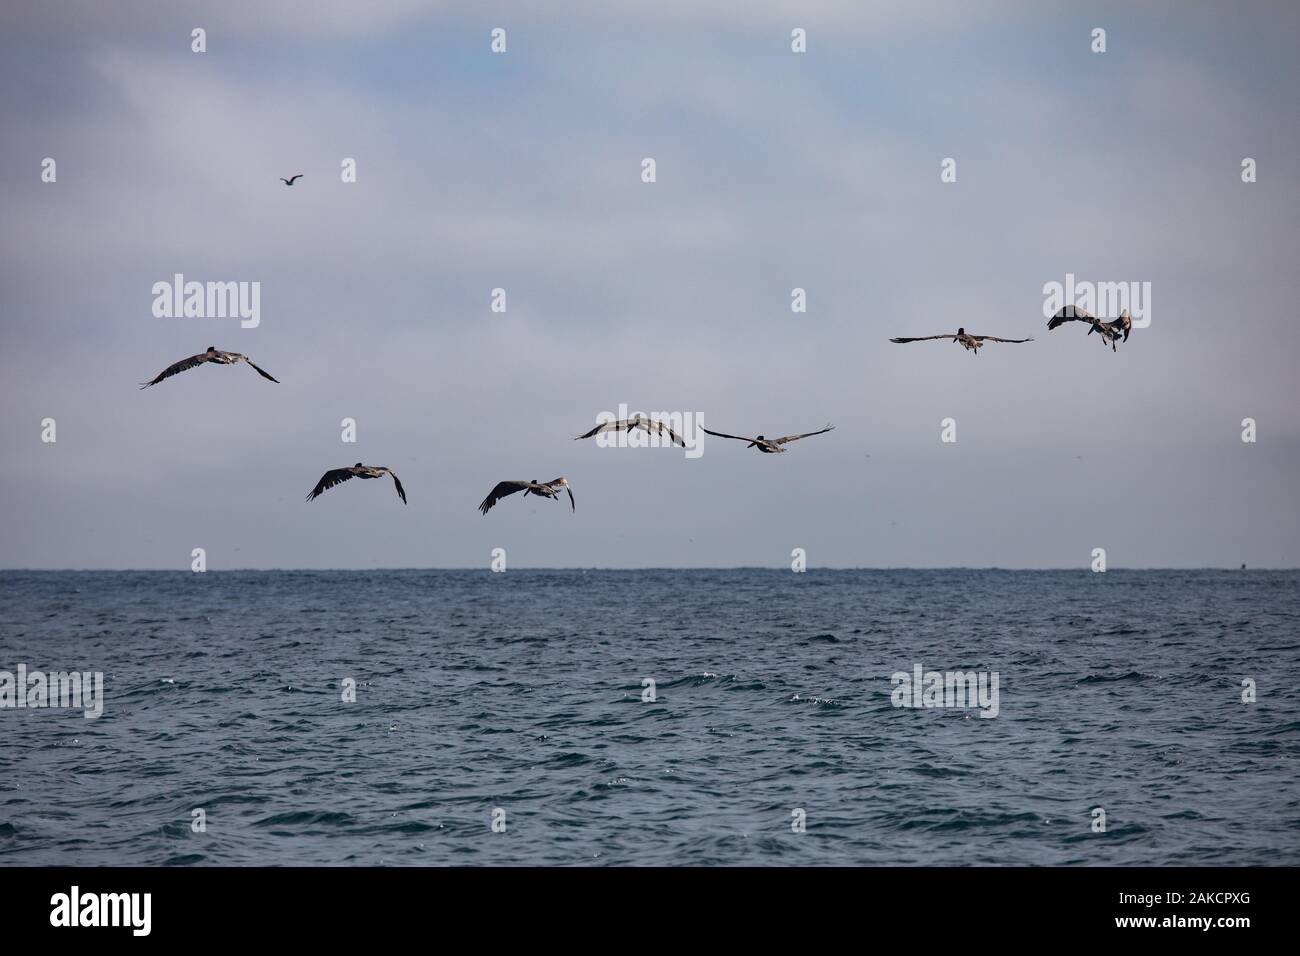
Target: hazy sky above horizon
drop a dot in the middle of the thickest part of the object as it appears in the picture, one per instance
(775, 170)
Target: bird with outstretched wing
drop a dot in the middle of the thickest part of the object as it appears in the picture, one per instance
(543, 489)
(768, 445)
(966, 340)
(213, 355)
(636, 421)
(337, 476)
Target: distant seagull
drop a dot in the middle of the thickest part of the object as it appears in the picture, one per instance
(768, 446)
(543, 489)
(211, 355)
(969, 342)
(340, 475)
(636, 421)
(291, 180)
(1109, 331)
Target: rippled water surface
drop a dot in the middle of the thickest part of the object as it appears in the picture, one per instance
(523, 691)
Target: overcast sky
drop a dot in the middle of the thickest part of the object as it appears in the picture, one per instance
(775, 170)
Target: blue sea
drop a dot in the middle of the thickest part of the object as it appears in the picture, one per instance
(521, 699)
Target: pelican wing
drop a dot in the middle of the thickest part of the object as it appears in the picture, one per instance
(602, 427)
(330, 479)
(555, 484)
(782, 441)
(994, 338)
(1071, 313)
(401, 492)
(502, 489)
(663, 429)
(925, 338)
(181, 366)
(260, 371)
(723, 435)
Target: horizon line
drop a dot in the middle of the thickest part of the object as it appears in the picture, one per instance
(739, 567)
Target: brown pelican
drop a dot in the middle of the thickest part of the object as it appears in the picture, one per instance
(768, 446)
(340, 475)
(636, 421)
(211, 355)
(543, 489)
(291, 180)
(967, 341)
(1110, 332)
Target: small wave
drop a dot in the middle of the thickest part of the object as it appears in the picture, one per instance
(306, 816)
(1133, 676)
(569, 759)
(827, 702)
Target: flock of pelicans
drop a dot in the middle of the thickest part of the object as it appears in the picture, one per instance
(1109, 332)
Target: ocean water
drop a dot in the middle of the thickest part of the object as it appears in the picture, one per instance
(522, 693)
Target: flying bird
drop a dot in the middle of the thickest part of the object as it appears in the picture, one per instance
(636, 421)
(291, 180)
(214, 355)
(340, 475)
(768, 446)
(543, 489)
(967, 341)
(1110, 332)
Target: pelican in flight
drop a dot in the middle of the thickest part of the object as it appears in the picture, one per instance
(636, 421)
(543, 489)
(340, 475)
(769, 446)
(213, 354)
(967, 341)
(1110, 332)
(291, 180)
